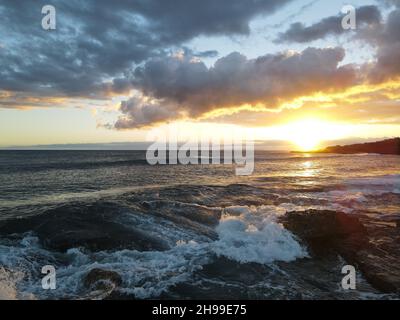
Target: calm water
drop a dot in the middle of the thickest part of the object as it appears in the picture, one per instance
(192, 231)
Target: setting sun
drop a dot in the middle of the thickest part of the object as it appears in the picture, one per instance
(306, 143)
(308, 134)
(182, 150)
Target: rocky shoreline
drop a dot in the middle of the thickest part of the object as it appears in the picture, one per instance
(368, 244)
(104, 239)
(371, 246)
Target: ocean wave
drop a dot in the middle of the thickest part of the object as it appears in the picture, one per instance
(355, 194)
(38, 167)
(253, 235)
(375, 185)
(144, 274)
(245, 234)
(68, 197)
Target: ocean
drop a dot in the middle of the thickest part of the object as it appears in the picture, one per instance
(115, 227)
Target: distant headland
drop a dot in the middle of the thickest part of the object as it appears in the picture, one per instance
(389, 146)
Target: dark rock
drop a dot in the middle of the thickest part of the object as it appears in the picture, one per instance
(376, 270)
(81, 225)
(233, 271)
(120, 295)
(99, 279)
(379, 261)
(322, 229)
(370, 246)
(196, 217)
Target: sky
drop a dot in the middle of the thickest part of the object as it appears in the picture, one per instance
(280, 70)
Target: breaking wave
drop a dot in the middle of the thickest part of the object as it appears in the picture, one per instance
(245, 234)
(253, 235)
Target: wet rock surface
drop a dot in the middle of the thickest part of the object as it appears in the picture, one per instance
(99, 279)
(326, 229)
(368, 244)
(302, 279)
(82, 226)
(379, 262)
(318, 224)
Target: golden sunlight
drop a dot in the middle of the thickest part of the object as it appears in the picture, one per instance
(307, 143)
(305, 134)
(308, 134)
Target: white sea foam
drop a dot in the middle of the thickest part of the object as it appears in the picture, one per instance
(144, 274)
(254, 235)
(246, 234)
(19, 261)
(7, 285)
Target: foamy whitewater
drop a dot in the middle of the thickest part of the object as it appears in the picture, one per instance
(182, 231)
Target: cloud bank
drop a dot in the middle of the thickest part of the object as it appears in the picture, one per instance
(298, 32)
(97, 43)
(104, 48)
(182, 86)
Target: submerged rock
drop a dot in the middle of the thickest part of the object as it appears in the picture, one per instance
(99, 279)
(372, 247)
(80, 225)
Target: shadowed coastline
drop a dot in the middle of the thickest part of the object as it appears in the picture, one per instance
(389, 146)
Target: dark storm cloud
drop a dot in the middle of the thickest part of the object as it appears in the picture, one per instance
(182, 86)
(383, 36)
(98, 42)
(109, 47)
(298, 32)
(140, 113)
(387, 41)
